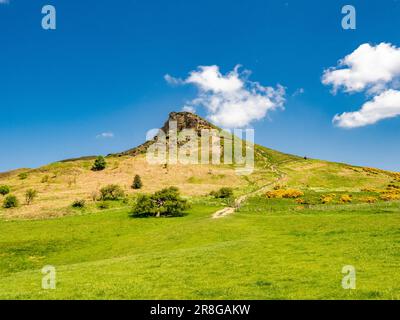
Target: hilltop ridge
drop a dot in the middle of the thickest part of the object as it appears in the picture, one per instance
(184, 120)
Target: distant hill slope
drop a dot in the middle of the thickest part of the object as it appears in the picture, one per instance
(60, 183)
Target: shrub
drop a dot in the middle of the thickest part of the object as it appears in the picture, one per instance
(79, 204)
(99, 164)
(284, 193)
(328, 198)
(369, 199)
(45, 179)
(23, 175)
(390, 196)
(111, 192)
(345, 198)
(4, 190)
(222, 193)
(166, 202)
(144, 206)
(30, 194)
(10, 202)
(137, 182)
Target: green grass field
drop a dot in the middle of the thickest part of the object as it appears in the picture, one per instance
(269, 249)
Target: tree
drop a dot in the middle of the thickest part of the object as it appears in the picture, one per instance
(166, 202)
(137, 182)
(4, 190)
(111, 192)
(10, 202)
(30, 194)
(222, 193)
(99, 164)
(79, 203)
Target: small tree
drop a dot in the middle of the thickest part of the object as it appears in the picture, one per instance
(166, 202)
(99, 164)
(78, 204)
(4, 190)
(30, 195)
(10, 202)
(143, 207)
(111, 192)
(137, 182)
(222, 193)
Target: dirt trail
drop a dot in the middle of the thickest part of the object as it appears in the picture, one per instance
(239, 201)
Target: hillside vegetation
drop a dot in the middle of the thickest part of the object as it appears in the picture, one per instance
(283, 232)
(59, 184)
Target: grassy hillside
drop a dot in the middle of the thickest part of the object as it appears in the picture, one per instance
(287, 232)
(267, 250)
(59, 184)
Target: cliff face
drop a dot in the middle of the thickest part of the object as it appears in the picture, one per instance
(187, 120)
(184, 120)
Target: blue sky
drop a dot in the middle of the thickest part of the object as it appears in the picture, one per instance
(102, 71)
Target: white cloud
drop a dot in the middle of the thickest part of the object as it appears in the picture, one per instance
(383, 106)
(189, 109)
(231, 100)
(209, 78)
(172, 80)
(298, 92)
(368, 67)
(105, 135)
(374, 70)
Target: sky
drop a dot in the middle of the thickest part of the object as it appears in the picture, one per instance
(112, 70)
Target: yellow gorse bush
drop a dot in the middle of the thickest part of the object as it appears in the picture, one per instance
(369, 199)
(390, 196)
(345, 198)
(284, 193)
(327, 199)
(391, 193)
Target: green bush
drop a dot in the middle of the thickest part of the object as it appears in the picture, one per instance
(23, 175)
(137, 182)
(111, 192)
(166, 202)
(222, 193)
(4, 190)
(99, 164)
(10, 202)
(30, 194)
(79, 204)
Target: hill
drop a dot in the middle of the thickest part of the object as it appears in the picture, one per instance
(59, 184)
(291, 227)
